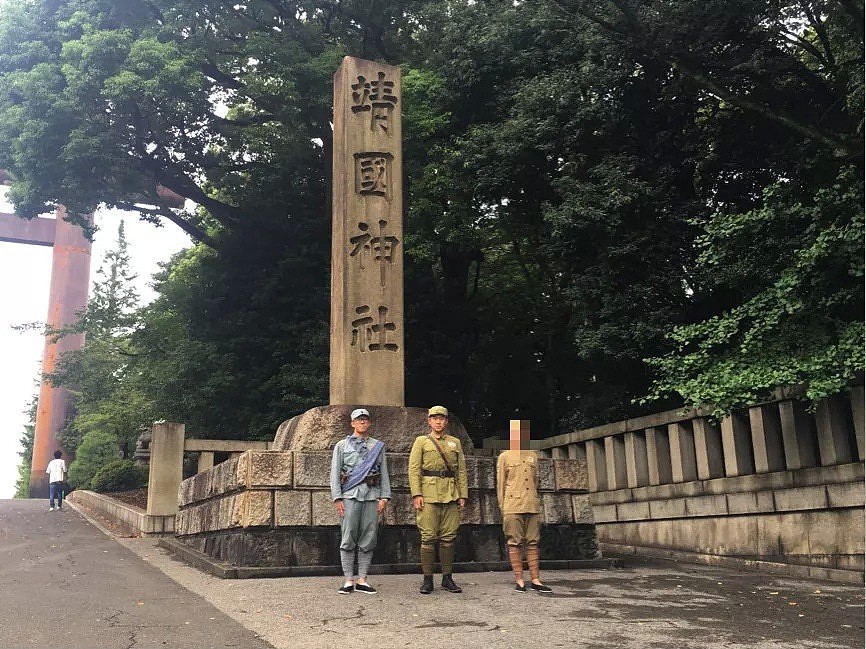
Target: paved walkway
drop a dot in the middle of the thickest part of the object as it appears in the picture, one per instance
(659, 605)
(63, 583)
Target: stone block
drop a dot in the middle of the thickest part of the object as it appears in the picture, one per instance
(845, 495)
(673, 508)
(570, 475)
(800, 498)
(490, 512)
(398, 470)
(292, 508)
(312, 469)
(400, 510)
(471, 514)
(829, 474)
(184, 494)
(226, 507)
(755, 482)
(616, 496)
(268, 468)
(707, 506)
(604, 513)
(481, 472)
(750, 503)
(323, 507)
(637, 511)
(556, 508)
(258, 508)
(546, 478)
(582, 509)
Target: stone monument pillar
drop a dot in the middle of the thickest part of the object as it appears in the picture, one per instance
(367, 354)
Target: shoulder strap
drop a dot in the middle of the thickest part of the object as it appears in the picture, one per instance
(439, 448)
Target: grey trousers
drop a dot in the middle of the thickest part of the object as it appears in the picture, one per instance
(358, 526)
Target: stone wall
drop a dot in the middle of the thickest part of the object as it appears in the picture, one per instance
(267, 508)
(809, 516)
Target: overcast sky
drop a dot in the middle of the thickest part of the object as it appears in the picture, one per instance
(25, 274)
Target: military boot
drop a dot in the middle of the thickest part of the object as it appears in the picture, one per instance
(449, 585)
(426, 585)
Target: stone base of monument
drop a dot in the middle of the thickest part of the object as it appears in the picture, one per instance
(273, 508)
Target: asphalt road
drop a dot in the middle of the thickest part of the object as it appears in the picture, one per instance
(63, 583)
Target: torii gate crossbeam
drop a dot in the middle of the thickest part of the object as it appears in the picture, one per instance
(70, 278)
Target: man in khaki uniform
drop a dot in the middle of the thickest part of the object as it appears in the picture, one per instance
(437, 479)
(517, 493)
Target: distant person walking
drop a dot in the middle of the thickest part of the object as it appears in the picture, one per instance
(56, 471)
(360, 489)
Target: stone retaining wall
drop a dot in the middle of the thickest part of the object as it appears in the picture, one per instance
(275, 508)
(811, 516)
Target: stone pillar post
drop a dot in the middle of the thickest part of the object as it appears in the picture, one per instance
(205, 461)
(683, 464)
(708, 449)
(798, 435)
(614, 451)
(596, 467)
(658, 453)
(737, 445)
(767, 444)
(832, 427)
(636, 459)
(558, 453)
(576, 452)
(166, 468)
(367, 352)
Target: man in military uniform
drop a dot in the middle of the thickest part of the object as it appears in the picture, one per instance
(437, 479)
(360, 489)
(517, 493)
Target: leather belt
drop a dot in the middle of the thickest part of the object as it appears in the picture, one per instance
(437, 474)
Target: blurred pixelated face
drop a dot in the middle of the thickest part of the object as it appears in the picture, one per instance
(519, 435)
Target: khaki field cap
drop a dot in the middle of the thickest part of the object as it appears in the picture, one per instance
(360, 412)
(438, 410)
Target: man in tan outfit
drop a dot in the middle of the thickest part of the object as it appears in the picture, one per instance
(517, 493)
(437, 480)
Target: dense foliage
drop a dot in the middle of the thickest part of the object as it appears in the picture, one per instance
(589, 185)
(119, 475)
(98, 448)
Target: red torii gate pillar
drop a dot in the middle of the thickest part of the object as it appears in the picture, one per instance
(70, 279)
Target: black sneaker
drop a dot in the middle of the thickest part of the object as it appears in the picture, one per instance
(365, 588)
(541, 588)
(519, 588)
(346, 590)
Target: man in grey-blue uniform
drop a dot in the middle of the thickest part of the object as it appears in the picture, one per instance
(360, 488)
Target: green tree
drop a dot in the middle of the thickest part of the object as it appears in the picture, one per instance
(22, 484)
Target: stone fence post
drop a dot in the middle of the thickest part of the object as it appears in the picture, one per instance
(166, 468)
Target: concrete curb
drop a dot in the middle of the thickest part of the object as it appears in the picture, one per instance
(129, 516)
(227, 571)
(785, 569)
(86, 516)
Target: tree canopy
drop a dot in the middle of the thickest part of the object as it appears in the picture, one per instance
(612, 206)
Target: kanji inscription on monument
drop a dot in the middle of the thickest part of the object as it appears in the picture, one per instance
(367, 355)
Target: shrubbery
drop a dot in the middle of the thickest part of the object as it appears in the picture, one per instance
(119, 475)
(98, 448)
